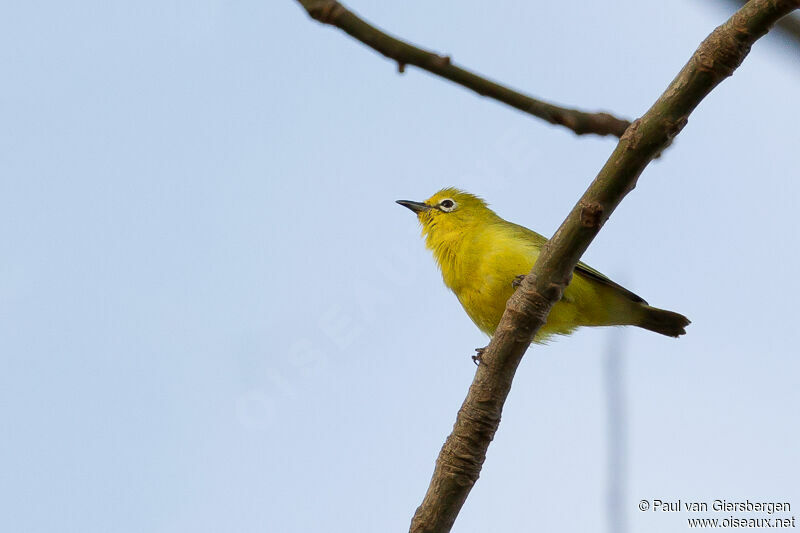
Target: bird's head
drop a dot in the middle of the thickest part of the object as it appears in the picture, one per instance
(449, 214)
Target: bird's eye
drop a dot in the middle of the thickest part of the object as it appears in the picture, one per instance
(447, 205)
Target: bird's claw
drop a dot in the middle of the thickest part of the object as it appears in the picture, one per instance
(518, 281)
(477, 358)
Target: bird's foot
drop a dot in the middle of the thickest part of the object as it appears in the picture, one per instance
(477, 357)
(518, 281)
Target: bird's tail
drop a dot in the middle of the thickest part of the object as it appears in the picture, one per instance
(662, 321)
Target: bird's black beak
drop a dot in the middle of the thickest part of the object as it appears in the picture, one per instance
(417, 207)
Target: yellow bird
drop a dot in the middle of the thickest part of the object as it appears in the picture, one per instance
(481, 255)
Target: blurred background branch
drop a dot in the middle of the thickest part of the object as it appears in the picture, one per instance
(581, 122)
(616, 427)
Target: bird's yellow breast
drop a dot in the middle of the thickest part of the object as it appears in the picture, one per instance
(479, 265)
(482, 272)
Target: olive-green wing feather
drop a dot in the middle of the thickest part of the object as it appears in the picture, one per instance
(588, 272)
(581, 269)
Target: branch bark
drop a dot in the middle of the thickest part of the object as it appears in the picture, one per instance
(789, 26)
(581, 122)
(459, 463)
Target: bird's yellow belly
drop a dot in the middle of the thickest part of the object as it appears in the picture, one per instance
(481, 276)
(485, 299)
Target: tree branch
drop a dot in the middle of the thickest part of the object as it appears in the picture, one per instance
(581, 122)
(789, 26)
(460, 460)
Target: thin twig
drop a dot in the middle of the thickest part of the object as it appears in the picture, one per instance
(581, 122)
(460, 460)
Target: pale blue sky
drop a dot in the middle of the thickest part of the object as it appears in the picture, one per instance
(214, 317)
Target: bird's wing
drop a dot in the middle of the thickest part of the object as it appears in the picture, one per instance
(588, 272)
(581, 269)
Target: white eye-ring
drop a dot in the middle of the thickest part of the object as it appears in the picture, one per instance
(447, 205)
